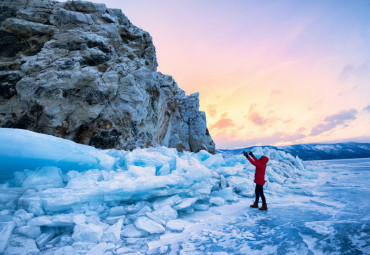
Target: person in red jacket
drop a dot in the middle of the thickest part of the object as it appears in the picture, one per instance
(259, 177)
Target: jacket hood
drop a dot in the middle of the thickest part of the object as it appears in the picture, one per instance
(264, 159)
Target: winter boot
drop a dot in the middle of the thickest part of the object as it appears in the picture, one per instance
(255, 205)
(263, 207)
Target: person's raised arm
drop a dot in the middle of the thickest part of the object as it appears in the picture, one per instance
(251, 153)
(256, 162)
(249, 159)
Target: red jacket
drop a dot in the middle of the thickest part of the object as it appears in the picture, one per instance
(260, 164)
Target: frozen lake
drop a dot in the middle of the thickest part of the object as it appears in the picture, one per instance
(67, 198)
(324, 214)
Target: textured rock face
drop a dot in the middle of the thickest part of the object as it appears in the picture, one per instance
(81, 71)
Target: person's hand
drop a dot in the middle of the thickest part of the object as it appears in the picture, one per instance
(245, 153)
(251, 153)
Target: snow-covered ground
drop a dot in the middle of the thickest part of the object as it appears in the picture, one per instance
(58, 197)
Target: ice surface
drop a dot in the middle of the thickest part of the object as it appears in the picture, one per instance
(62, 196)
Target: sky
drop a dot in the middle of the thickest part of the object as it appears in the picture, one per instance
(268, 72)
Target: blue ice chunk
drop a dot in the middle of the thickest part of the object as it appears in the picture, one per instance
(217, 201)
(101, 248)
(45, 237)
(112, 234)
(166, 201)
(163, 170)
(299, 163)
(214, 161)
(22, 149)
(176, 225)
(20, 245)
(149, 225)
(116, 211)
(6, 229)
(9, 194)
(186, 203)
(44, 177)
(273, 176)
(132, 232)
(199, 206)
(226, 194)
(90, 232)
(142, 171)
(58, 220)
(147, 157)
(21, 217)
(202, 155)
(29, 231)
(234, 160)
(164, 214)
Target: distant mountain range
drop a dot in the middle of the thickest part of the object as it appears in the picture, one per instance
(318, 151)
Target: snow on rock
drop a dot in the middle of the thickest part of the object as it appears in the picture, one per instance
(149, 225)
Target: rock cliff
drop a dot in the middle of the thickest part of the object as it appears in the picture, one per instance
(81, 71)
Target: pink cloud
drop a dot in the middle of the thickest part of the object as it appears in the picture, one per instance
(330, 122)
(259, 120)
(212, 110)
(222, 124)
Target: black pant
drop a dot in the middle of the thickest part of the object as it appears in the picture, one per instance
(259, 192)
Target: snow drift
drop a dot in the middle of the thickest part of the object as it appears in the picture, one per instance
(60, 196)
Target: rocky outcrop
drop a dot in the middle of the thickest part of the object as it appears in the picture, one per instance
(81, 71)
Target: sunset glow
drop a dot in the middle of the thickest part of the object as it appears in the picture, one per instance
(277, 72)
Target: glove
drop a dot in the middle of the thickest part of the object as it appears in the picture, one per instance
(251, 153)
(245, 153)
